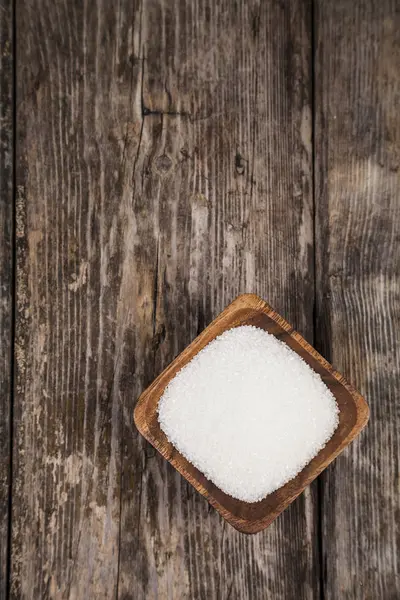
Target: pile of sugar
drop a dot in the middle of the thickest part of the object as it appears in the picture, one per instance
(248, 412)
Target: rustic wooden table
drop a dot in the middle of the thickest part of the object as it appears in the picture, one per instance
(159, 157)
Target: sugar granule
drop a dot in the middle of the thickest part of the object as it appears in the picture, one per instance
(248, 412)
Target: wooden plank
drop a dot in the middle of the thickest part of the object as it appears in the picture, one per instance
(225, 168)
(358, 213)
(79, 303)
(6, 275)
(164, 166)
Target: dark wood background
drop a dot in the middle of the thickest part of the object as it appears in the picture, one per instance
(157, 158)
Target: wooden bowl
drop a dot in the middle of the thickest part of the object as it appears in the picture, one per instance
(249, 309)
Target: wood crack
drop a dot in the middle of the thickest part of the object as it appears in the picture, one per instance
(170, 113)
(146, 112)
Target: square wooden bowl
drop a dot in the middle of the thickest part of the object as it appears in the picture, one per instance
(249, 309)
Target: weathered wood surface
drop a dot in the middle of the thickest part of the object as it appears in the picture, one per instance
(357, 170)
(164, 166)
(6, 275)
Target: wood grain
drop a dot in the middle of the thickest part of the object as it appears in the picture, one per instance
(82, 285)
(226, 164)
(6, 275)
(164, 166)
(253, 517)
(358, 248)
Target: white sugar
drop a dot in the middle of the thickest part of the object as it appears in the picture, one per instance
(248, 412)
